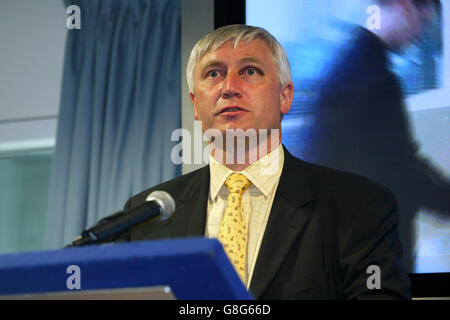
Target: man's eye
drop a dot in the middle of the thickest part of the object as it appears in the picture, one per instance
(212, 74)
(251, 71)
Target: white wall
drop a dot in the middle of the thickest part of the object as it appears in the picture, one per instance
(32, 38)
(197, 20)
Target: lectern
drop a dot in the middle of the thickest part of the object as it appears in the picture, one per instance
(192, 268)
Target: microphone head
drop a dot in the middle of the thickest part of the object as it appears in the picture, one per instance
(166, 202)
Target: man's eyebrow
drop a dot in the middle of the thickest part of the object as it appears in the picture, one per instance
(217, 63)
(213, 63)
(251, 59)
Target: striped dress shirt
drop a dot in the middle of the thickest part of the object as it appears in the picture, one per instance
(257, 200)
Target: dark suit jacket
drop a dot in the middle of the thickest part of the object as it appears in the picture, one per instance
(325, 228)
(359, 124)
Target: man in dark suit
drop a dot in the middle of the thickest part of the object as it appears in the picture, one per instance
(311, 232)
(359, 120)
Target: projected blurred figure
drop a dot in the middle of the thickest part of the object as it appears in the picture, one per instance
(360, 123)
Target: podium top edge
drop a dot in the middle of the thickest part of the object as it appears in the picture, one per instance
(125, 250)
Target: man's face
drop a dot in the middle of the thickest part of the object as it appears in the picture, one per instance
(415, 16)
(239, 88)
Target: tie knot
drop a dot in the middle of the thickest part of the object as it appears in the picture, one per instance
(237, 183)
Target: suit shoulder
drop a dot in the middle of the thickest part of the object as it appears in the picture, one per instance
(343, 183)
(173, 186)
(350, 199)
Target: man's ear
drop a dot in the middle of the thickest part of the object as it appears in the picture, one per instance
(194, 104)
(286, 97)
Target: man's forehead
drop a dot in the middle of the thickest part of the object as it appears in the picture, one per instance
(254, 51)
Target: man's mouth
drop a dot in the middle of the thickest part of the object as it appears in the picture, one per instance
(231, 109)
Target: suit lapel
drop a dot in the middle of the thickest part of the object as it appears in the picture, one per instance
(189, 218)
(288, 216)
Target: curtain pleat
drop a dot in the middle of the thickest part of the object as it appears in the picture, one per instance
(121, 100)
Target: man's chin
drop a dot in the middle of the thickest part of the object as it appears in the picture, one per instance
(235, 126)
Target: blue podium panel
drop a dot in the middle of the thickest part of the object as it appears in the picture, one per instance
(194, 268)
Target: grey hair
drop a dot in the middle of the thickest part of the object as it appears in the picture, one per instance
(237, 32)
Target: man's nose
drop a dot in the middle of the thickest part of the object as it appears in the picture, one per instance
(231, 87)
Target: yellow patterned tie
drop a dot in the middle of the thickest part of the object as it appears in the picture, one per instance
(233, 230)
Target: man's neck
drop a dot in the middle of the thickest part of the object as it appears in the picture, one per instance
(237, 159)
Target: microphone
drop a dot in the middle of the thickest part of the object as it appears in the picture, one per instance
(159, 205)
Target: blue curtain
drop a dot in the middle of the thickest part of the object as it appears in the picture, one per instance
(121, 100)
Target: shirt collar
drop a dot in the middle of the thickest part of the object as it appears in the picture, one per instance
(263, 173)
